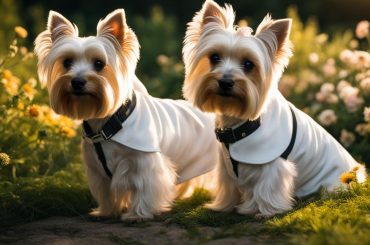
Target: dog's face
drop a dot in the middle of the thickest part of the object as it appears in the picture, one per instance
(229, 71)
(87, 77)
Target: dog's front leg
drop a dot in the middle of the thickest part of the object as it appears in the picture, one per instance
(152, 181)
(228, 195)
(271, 191)
(99, 184)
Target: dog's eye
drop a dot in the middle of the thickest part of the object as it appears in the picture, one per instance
(67, 63)
(248, 65)
(98, 65)
(215, 58)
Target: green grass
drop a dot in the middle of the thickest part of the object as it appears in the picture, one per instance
(339, 218)
(65, 193)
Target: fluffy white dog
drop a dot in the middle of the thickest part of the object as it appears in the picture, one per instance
(136, 148)
(272, 151)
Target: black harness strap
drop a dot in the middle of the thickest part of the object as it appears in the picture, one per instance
(229, 136)
(110, 128)
(98, 149)
(292, 140)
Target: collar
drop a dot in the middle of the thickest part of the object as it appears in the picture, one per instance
(230, 135)
(113, 125)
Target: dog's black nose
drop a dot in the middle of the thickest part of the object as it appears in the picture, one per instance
(226, 84)
(78, 83)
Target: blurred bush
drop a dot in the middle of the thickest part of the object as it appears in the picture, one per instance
(329, 78)
(34, 140)
(159, 68)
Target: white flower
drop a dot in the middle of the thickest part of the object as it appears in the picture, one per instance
(362, 29)
(313, 58)
(327, 117)
(342, 84)
(346, 137)
(327, 88)
(347, 91)
(349, 95)
(343, 73)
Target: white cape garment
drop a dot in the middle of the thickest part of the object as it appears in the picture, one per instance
(318, 157)
(176, 129)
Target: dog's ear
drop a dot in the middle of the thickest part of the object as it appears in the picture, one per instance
(113, 25)
(59, 26)
(275, 36)
(211, 12)
(210, 17)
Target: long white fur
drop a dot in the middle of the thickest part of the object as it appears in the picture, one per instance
(143, 184)
(260, 189)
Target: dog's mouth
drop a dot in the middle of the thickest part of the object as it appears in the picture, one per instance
(81, 93)
(226, 94)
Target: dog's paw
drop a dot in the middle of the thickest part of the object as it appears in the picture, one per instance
(260, 216)
(97, 214)
(130, 218)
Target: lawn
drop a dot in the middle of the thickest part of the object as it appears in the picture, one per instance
(337, 218)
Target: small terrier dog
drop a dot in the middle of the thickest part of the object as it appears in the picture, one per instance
(136, 148)
(271, 151)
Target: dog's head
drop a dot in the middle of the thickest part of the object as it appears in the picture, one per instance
(87, 77)
(229, 71)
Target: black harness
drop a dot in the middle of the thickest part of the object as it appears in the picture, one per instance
(229, 136)
(110, 128)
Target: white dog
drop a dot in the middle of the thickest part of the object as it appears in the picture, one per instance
(272, 151)
(136, 148)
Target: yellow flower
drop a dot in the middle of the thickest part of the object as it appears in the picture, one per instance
(11, 84)
(29, 91)
(21, 32)
(4, 159)
(69, 132)
(33, 110)
(7, 74)
(20, 106)
(348, 177)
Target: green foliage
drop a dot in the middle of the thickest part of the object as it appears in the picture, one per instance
(26, 199)
(159, 68)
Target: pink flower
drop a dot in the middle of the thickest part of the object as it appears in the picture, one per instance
(362, 59)
(367, 114)
(362, 129)
(346, 56)
(353, 103)
(329, 68)
(362, 29)
(327, 117)
(365, 85)
(346, 137)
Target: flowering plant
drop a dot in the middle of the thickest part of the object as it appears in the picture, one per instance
(34, 140)
(331, 82)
